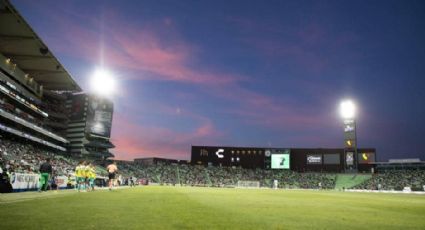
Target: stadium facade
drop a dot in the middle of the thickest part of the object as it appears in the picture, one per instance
(297, 159)
(90, 123)
(38, 96)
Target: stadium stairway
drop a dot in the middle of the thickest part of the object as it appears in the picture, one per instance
(350, 180)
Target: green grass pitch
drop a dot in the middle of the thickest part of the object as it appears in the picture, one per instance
(155, 207)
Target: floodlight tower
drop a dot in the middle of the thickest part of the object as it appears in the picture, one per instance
(348, 114)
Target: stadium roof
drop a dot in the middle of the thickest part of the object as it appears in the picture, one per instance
(23, 46)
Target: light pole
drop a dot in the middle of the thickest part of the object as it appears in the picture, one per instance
(348, 114)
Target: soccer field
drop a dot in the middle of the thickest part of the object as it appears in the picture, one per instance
(155, 207)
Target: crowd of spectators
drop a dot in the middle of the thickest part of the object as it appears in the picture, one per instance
(199, 175)
(395, 180)
(20, 157)
(54, 105)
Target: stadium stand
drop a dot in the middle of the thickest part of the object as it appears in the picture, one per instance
(23, 157)
(198, 175)
(395, 180)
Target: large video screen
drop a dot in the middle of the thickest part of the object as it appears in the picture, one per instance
(280, 161)
(99, 116)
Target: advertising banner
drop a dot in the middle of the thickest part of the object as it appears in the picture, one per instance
(21, 181)
(61, 181)
(314, 159)
(331, 159)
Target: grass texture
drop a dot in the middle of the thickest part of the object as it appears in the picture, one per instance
(156, 207)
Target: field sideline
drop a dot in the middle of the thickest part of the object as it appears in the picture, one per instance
(156, 207)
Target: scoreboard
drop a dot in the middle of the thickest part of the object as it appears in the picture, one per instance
(245, 157)
(99, 116)
(228, 156)
(280, 161)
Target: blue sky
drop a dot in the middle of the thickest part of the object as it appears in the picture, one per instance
(247, 73)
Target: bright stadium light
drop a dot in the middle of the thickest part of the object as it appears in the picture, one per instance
(102, 82)
(348, 109)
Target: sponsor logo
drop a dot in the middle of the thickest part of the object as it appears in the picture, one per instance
(219, 153)
(204, 152)
(314, 159)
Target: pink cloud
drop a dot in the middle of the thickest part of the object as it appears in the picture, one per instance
(140, 48)
(135, 140)
(123, 45)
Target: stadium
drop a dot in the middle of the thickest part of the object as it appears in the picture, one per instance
(45, 116)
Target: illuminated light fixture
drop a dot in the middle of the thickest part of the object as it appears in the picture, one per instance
(349, 143)
(364, 156)
(348, 109)
(8, 61)
(102, 83)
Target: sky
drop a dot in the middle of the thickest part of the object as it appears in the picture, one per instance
(247, 73)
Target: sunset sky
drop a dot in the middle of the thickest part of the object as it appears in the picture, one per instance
(247, 73)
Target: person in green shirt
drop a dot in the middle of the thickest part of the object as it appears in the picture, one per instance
(91, 176)
(45, 172)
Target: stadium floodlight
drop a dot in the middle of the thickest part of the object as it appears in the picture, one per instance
(102, 82)
(348, 109)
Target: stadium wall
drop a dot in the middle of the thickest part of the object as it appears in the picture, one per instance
(300, 159)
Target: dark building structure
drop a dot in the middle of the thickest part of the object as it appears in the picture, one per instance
(297, 159)
(90, 123)
(40, 101)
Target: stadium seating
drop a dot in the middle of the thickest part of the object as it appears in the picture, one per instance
(395, 180)
(26, 158)
(199, 175)
(23, 157)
